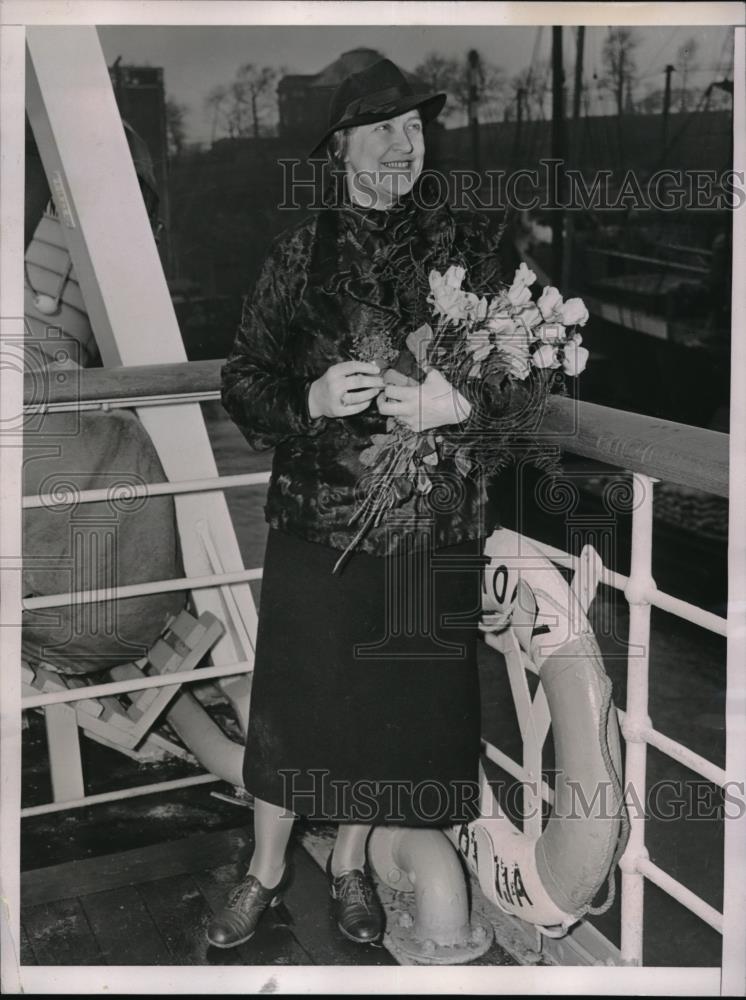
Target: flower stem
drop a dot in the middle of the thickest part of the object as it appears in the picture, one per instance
(345, 555)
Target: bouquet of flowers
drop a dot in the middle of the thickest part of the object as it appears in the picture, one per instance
(474, 343)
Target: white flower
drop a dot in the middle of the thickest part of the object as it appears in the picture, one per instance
(574, 313)
(519, 295)
(446, 296)
(482, 352)
(550, 333)
(550, 301)
(501, 326)
(576, 358)
(477, 339)
(545, 357)
(530, 315)
(519, 367)
(454, 276)
(477, 307)
(515, 348)
(524, 276)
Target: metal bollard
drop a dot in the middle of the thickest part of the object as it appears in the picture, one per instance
(426, 863)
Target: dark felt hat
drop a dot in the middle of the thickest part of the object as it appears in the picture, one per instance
(373, 95)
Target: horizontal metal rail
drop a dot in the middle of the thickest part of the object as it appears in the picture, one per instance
(131, 382)
(126, 403)
(680, 893)
(121, 793)
(661, 449)
(642, 259)
(140, 589)
(658, 598)
(666, 602)
(513, 768)
(677, 751)
(137, 684)
(68, 496)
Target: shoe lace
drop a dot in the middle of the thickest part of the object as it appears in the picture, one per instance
(249, 886)
(357, 889)
(240, 892)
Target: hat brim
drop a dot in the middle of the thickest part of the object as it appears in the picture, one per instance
(430, 106)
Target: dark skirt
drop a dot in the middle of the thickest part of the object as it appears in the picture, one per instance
(365, 698)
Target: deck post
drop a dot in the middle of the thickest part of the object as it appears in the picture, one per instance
(637, 720)
(733, 978)
(12, 41)
(65, 763)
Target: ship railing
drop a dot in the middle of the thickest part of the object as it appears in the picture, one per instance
(651, 450)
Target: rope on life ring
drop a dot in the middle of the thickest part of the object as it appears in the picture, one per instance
(551, 879)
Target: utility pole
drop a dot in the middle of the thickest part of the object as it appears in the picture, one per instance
(575, 157)
(475, 81)
(556, 185)
(667, 105)
(576, 94)
(520, 94)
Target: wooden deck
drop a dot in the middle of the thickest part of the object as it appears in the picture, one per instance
(151, 905)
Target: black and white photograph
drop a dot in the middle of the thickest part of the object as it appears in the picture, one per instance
(372, 438)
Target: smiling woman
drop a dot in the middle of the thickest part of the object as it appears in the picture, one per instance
(383, 160)
(364, 710)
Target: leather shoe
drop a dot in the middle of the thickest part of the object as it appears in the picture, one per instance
(355, 905)
(238, 919)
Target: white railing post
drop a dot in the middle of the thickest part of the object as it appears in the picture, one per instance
(733, 977)
(12, 62)
(637, 721)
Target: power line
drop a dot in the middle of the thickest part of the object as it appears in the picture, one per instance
(727, 38)
(662, 47)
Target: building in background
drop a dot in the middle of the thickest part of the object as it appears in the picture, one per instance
(141, 99)
(303, 99)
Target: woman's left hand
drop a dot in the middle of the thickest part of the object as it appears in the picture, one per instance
(432, 403)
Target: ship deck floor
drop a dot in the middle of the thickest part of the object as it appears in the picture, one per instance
(151, 905)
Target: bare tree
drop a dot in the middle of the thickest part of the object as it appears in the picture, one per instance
(254, 90)
(437, 71)
(241, 107)
(441, 73)
(533, 82)
(492, 92)
(620, 65)
(452, 76)
(175, 126)
(685, 64)
(652, 102)
(218, 103)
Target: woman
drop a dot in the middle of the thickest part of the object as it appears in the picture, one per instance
(365, 700)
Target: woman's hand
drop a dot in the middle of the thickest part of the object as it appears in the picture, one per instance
(433, 403)
(344, 389)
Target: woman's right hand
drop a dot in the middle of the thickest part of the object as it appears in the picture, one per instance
(344, 389)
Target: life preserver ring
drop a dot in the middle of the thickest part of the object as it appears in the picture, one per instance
(551, 880)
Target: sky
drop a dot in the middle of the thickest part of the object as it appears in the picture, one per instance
(196, 59)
